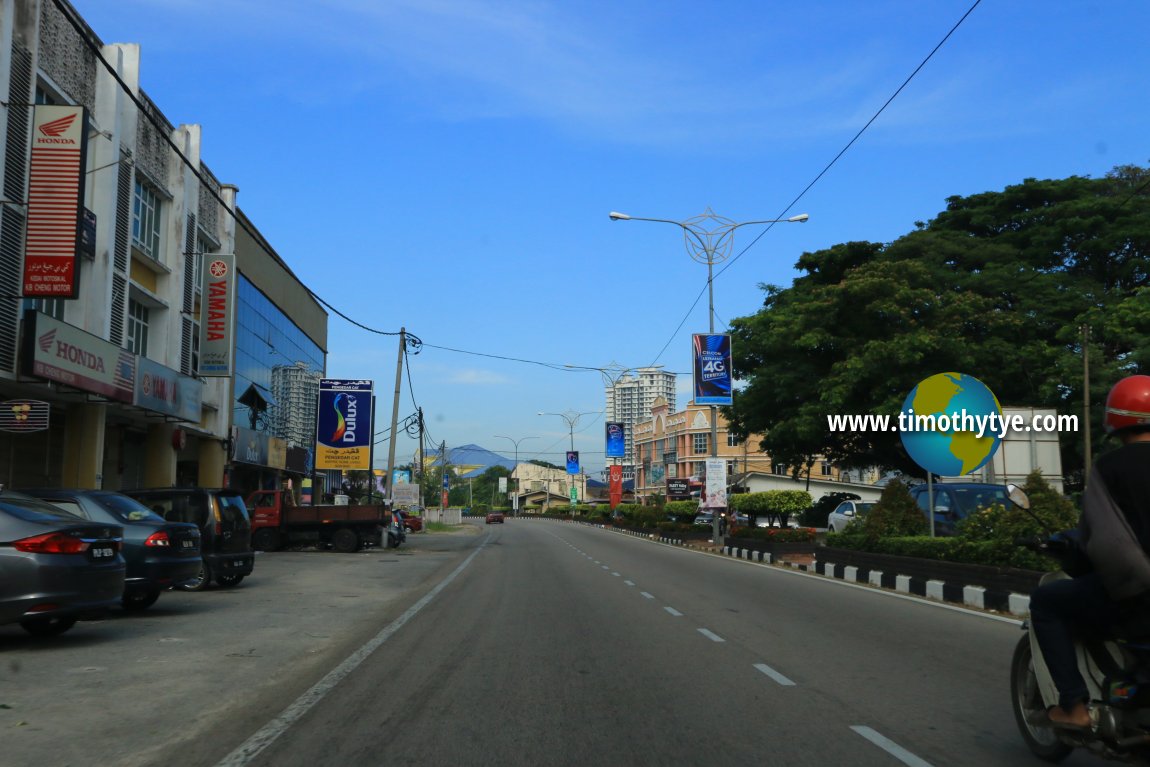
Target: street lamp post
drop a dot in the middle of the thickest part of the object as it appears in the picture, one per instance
(515, 496)
(571, 418)
(709, 239)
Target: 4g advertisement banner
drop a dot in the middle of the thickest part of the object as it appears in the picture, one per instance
(712, 367)
(344, 426)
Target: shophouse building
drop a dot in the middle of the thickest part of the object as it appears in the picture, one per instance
(102, 302)
(672, 448)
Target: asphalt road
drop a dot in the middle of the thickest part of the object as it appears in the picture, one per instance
(532, 643)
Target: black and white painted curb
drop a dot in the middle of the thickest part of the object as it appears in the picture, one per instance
(977, 597)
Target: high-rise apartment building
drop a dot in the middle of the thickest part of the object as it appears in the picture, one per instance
(630, 399)
(295, 389)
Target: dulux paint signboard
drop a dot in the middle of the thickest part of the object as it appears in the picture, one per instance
(344, 428)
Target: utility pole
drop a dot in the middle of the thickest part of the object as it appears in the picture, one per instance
(443, 490)
(394, 416)
(419, 469)
(1086, 452)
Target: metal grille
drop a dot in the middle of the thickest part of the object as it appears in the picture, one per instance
(187, 329)
(119, 309)
(123, 213)
(11, 258)
(189, 261)
(16, 151)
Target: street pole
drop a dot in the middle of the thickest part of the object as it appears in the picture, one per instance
(394, 416)
(571, 419)
(710, 245)
(514, 471)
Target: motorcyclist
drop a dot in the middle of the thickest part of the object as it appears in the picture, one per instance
(1115, 533)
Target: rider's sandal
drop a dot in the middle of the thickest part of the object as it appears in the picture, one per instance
(1072, 727)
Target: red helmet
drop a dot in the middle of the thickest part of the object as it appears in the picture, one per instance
(1128, 404)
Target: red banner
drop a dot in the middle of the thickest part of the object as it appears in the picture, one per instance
(55, 200)
(615, 486)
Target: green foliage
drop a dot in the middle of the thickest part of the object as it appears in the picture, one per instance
(778, 534)
(681, 510)
(997, 285)
(776, 505)
(955, 549)
(895, 514)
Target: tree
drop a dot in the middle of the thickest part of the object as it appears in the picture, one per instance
(776, 505)
(896, 514)
(997, 286)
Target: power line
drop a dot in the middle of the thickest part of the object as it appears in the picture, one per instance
(824, 171)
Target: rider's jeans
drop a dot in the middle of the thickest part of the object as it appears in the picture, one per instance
(1060, 611)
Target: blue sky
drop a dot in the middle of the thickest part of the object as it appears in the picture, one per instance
(448, 165)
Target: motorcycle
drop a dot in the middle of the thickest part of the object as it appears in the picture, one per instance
(1117, 674)
(396, 534)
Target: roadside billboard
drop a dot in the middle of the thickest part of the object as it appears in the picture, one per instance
(344, 427)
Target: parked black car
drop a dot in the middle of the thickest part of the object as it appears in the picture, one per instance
(55, 568)
(159, 554)
(225, 529)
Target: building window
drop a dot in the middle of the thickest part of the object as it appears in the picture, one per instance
(779, 468)
(53, 307)
(700, 443)
(700, 468)
(825, 468)
(733, 440)
(146, 220)
(137, 328)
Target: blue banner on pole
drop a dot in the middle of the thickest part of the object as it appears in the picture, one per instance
(572, 461)
(616, 444)
(712, 367)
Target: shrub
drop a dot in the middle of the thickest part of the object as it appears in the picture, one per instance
(681, 510)
(778, 534)
(773, 504)
(896, 514)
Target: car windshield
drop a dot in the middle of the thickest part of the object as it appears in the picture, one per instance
(971, 498)
(127, 509)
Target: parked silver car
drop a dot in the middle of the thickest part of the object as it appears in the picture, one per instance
(55, 568)
(847, 512)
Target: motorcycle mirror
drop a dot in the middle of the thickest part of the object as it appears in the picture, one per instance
(1017, 496)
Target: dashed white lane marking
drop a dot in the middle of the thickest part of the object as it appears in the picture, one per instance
(646, 595)
(711, 635)
(673, 611)
(629, 583)
(616, 575)
(892, 748)
(605, 567)
(774, 675)
(266, 735)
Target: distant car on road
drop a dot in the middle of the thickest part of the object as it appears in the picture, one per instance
(847, 512)
(159, 554)
(955, 501)
(55, 568)
(493, 517)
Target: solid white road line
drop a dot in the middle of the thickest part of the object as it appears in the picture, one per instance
(673, 611)
(266, 735)
(774, 675)
(711, 635)
(892, 748)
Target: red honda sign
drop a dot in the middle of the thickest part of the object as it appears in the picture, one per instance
(55, 201)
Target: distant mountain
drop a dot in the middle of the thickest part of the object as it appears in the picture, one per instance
(471, 460)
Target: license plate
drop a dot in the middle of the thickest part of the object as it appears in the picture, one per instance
(240, 563)
(100, 553)
(188, 544)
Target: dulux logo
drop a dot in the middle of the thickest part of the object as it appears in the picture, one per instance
(344, 424)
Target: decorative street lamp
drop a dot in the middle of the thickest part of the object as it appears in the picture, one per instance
(515, 496)
(709, 239)
(572, 418)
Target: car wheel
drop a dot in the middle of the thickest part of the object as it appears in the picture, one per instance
(201, 582)
(266, 539)
(345, 540)
(47, 627)
(139, 600)
(229, 580)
